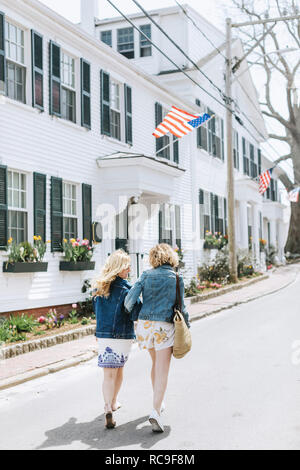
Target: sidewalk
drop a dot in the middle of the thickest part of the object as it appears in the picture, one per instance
(35, 364)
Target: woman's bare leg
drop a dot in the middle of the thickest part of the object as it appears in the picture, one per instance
(153, 357)
(118, 385)
(108, 387)
(162, 367)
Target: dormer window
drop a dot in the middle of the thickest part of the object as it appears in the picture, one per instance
(126, 42)
(145, 45)
(106, 37)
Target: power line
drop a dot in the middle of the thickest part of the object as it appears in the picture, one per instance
(180, 49)
(200, 31)
(179, 68)
(164, 54)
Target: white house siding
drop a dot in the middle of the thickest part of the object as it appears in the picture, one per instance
(33, 141)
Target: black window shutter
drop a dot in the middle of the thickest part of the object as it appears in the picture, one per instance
(85, 73)
(160, 226)
(55, 79)
(216, 204)
(259, 161)
(225, 217)
(212, 212)
(39, 204)
(56, 213)
(158, 120)
(201, 196)
(176, 150)
(105, 103)
(2, 54)
(87, 211)
(37, 70)
(3, 207)
(128, 114)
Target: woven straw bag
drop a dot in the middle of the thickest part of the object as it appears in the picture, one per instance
(183, 337)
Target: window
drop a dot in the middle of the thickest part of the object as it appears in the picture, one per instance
(165, 224)
(145, 46)
(17, 206)
(249, 217)
(202, 137)
(236, 150)
(68, 93)
(106, 37)
(246, 157)
(115, 111)
(205, 213)
(126, 42)
(216, 136)
(166, 153)
(15, 69)
(70, 210)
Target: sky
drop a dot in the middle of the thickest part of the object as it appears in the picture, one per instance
(214, 11)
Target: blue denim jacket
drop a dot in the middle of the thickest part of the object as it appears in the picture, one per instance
(158, 287)
(113, 321)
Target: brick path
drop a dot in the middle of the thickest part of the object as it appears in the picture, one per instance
(36, 361)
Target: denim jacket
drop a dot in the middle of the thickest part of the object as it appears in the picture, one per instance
(158, 287)
(112, 320)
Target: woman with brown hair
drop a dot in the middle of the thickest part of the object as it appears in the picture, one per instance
(155, 329)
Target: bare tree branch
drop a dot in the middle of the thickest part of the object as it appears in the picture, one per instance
(279, 137)
(283, 159)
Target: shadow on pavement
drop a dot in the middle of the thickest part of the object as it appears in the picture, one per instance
(95, 435)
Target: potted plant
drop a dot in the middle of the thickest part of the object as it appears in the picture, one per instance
(26, 257)
(215, 241)
(180, 253)
(77, 255)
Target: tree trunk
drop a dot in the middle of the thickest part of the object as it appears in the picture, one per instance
(293, 242)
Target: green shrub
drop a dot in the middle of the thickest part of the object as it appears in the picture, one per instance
(218, 271)
(22, 324)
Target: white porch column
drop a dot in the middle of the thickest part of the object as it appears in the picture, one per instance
(255, 215)
(273, 238)
(243, 223)
(281, 241)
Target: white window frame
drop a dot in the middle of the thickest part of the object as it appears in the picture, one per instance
(115, 83)
(12, 208)
(68, 86)
(143, 43)
(70, 215)
(14, 61)
(133, 42)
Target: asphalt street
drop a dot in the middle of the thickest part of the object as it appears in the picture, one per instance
(239, 388)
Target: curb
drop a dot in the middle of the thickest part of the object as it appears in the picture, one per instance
(50, 369)
(43, 343)
(201, 316)
(200, 298)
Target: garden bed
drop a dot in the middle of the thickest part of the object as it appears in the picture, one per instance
(211, 293)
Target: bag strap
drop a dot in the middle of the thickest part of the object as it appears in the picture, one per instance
(178, 295)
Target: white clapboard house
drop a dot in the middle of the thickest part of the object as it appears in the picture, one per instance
(78, 105)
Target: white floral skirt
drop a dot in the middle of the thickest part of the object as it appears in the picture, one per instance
(155, 334)
(113, 353)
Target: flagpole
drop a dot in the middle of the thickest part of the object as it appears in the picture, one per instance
(178, 138)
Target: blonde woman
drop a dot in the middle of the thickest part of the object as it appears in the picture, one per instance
(155, 328)
(115, 327)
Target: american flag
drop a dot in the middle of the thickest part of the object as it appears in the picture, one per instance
(179, 123)
(264, 181)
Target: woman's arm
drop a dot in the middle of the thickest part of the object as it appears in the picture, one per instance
(134, 293)
(183, 307)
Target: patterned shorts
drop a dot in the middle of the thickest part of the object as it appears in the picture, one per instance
(113, 353)
(155, 334)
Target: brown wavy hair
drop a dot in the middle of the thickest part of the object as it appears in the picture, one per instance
(163, 254)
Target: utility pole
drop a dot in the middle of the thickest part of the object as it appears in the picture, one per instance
(230, 69)
(230, 163)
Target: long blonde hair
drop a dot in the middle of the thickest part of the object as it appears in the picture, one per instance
(117, 262)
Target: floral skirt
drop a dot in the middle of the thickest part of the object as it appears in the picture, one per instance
(155, 334)
(113, 353)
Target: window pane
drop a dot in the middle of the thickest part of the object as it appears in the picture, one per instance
(16, 180)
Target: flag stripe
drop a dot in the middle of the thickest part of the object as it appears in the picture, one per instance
(184, 113)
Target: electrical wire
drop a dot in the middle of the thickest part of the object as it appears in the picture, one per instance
(200, 31)
(166, 56)
(226, 99)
